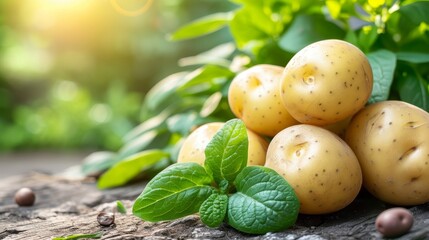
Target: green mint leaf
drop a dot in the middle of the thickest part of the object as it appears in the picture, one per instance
(175, 192)
(224, 186)
(213, 210)
(129, 168)
(120, 207)
(80, 236)
(202, 26)
(383, 64)
(264, 202)
(226, 153)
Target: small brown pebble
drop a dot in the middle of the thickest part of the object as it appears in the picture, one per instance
(106, 218)
(25, 197)
(394, 222)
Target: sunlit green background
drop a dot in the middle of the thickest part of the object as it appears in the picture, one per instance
(73, 73)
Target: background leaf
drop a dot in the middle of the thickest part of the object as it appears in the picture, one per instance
(209, 77)
(177, 191)
(184, 122)
(306, 29)
(226, 153)
(417, 12)
(153, 139)
(383, 64)
(243, 29)
(413, 57)
(216, 56)
(148, 125)
(202, 26)
(264, 202)
(159, 96)
(98, 162)
(413, 89)
(213, 210)
(129, 168)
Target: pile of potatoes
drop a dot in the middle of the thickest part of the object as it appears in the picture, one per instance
(310, 122)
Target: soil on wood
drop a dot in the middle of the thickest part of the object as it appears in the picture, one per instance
(65, 207)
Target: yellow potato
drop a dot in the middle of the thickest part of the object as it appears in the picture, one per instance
(326, 82)
(254, 97)
(391, 141)
(320, 167)
(194, 145)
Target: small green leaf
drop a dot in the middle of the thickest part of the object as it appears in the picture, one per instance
(98, 162)
(120, 207)
(226, 153)
(306, 29)
(129, 168)
(177, 191)
(413, 57)
(264, 202)
(414, 89)
(80, 236)
(213, 210)
(383, 64)
(202, 26)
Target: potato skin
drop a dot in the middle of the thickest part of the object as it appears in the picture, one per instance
(254, 97)
(326, 82)
(391, 141)
(195, 144)
(320, 166)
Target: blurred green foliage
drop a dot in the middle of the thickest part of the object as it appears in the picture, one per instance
(394, 35)
(73, 73)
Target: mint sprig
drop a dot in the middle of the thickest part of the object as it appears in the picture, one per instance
(226, 154)
(264, 202)
(177, 191)
(252, 199)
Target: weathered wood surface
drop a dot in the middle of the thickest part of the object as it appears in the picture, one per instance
(65, 207)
